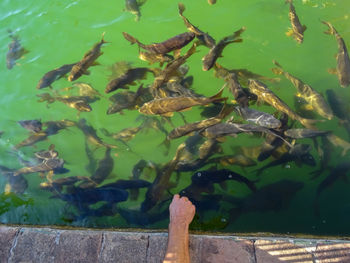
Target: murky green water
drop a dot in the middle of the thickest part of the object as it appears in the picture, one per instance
(60, 32)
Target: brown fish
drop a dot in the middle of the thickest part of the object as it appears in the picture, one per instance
(343, 61)
(87, 61)
(166, 106)
(16, 51)
(216, 51)
(171, 44)
(297, 30)
(53, 75)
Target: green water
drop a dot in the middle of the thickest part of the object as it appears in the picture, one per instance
(60, 32)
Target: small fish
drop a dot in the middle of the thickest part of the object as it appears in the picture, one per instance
(166, 106)
(297, 30)
(133, 7)
(87, 61)
(174, 43)
(263, 93)
(211, 2)
(199, 125)
(124, 135)
(57, 184)
(311, 96)
(86, 90)
(122, 100)
(80, 103)
(128, 78)
(15, 52)
(343, 61)
(31, 125)
(258, 117)
(45, 166)
(216, 51)
(325, 157)
(53, 75)
(47, 154)
(15, 184)
(205, 38)
(127, 184)
(339, 142)
(304, 133)
(340, 171)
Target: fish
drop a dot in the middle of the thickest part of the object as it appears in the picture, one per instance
(166, 106)
(128, 78)
(87, 61)
(155, 58)
(47, 154)
(91, 135)
(204, 38)
(272, 197)
(53, 75)
(127, 184)
(297, 30)
(303, 108)
(31, 125)
(340, 171)
(127, 99)
(241, 96)
(343, 61)
(325, 157)
(45, 166)
(80, 103)
(124, 135)
(174, 43)
(299, 153)
(199, 125)
(15, 52)
(86, 90)
(15, 184)
(57, 184)
(311, 96)
(133, 7)
(237, 159)
(258, 117)
(211, 2)
(215, 52)
(304, 133)
(339, 142)
(263, 93)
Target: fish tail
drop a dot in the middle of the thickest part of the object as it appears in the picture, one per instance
(225, 111)
(181, 8)
(130, 38)
(217, 97)
(239, 32)
(331, 30)
(103, 41)
(308, 123)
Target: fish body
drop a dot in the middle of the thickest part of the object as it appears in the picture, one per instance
(79, 103)
(154, 58)
(86, 90)
(32, 139)
(15, 52)
(122, 100)
(216, 51)
(343, 60)
(236, 89)
(104, 168)
(166, 106)
(91, 135)
(128, 78)
(31, 125)
(205, 38)
(258, 117)
(297, 30)
(174, 43)
(312, 97)
(304, 133)
(45, 166)
(53, 75)
(263, 93)
(87, 61)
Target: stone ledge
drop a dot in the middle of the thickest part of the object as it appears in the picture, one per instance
(27, 244)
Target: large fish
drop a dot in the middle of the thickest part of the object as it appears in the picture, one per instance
(87, 61)
(216, 51)
(53, 75)
(297, 30)
(167, 106)
(305, 91)
(263, 93)
(174, 43)
(343, 61)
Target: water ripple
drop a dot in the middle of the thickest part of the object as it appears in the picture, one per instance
(11, 13)
(120, 18)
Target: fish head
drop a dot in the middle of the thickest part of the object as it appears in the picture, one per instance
(82, 106)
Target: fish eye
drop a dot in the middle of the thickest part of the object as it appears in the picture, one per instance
(199, 174)
(230, 176)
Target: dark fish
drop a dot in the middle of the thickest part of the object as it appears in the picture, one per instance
(211, 110)
(343, 61)
(304, 133)
(47, 154)
(199, 125)
(305, 91)
(128, 78)
(53, 75)
(205, 38)
(166, 106)
(32, 139)
(87, 61)
(340, 171)
(122, 100)
(31, 125)
(258, 117)
(237, 159)
(16, 51)
(174, 43)
(216, 51)
(297, 30)
(57, 184)
(263, 93)
(241, 96)
(16, 184)
(92, 164)
(127, 184)
(325, 157)
(272, 197)
(133, 7)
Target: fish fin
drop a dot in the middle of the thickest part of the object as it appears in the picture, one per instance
(86, 72)
(217, 96)
(51, 147)
(96, 63)
(130, 38)
(332, 71)
(304, 28)
(225, 111)
(289, 32)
